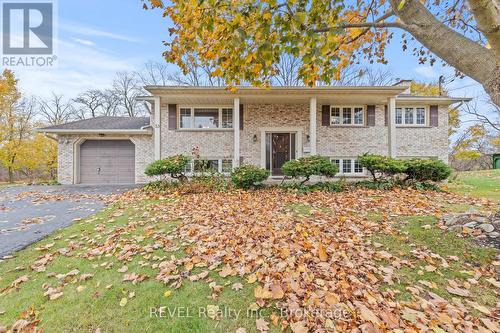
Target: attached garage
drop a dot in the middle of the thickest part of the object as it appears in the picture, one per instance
(107, 162)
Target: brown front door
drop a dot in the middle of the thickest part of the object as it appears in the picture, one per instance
(280, 152)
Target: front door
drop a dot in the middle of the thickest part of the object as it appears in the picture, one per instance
(280, 149)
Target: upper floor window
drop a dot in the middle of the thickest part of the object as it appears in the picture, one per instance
(347, 115)
(205, 118)
(411, 116)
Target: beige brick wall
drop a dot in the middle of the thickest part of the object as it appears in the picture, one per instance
(338, 141)
(212, 144)
(426, 141)
(67, 156)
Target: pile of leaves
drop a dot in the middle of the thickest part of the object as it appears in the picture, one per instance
(319, 271)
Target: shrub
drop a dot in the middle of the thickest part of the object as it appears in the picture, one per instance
(377, 185)
(384, 166)
(322, 186)
(248, 176)
(309, 166)
(173, 166)
(422, 170)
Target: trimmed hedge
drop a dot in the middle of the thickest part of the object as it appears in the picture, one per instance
(422, 170)
(248, 176)
(173, 166)
(417, 169)
(306, 167)
(381, 166)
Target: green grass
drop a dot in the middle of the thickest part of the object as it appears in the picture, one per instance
(485, 184)
(98, 307)
(412, 235)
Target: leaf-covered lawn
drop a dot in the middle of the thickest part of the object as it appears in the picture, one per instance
(255, 262)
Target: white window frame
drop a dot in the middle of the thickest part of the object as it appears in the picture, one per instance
(219, 165)
(352, 161)
(414, 112)
(341, 115)
(191, 108)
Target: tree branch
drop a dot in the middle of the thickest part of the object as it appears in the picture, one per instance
(376, 24)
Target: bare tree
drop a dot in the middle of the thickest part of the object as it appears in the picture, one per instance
(287, 72)
(154, 74)
(489, 116)
(109, 103)
(365, 76)
(55, 110)
(196, 74)
(127, 88)
(89, 103)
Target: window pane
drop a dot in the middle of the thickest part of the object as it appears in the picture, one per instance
(189, 167)
(421, 116)
(346, 116)
(399, 116)
(357, 167)
(409, 116)
(336, 162)
(358, 116)
(346, 166)
(185, 115)
(206, 166)
(206, 118)
(227, 166)
(227, 118)
(335, 116)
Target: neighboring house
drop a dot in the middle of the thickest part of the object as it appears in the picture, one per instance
(264, 127)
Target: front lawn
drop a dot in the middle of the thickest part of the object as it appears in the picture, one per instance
(255, 261)
(483, 183)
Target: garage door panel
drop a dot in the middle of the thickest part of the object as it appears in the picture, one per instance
(107, 162)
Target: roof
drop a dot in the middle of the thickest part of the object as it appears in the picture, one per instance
(102, 124)
(272, 90)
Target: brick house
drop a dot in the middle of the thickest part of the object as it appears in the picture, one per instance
(264, 127)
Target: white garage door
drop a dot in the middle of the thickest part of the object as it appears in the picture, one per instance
(107, 162)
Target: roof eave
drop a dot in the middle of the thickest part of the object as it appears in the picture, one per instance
(95, 131)
(391, 90)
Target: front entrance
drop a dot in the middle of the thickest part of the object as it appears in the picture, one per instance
(280, 148)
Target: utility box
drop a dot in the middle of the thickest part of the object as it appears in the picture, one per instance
(496, 161)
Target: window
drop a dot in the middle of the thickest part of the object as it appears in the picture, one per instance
(420, 116)
(185, 118)
(335, 117)
(202, 166)
(399, 116)
(347, 115)
(410, 116)
(227, 118)
(205, 118)
(348, 166)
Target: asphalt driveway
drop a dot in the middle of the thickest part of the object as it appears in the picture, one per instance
(29, 213)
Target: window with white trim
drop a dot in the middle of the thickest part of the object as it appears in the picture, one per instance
(205, 117)
(411, 115)
(348, 167)
(347, 115)
(207, 166)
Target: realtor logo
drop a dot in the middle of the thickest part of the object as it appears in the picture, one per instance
(27, 28)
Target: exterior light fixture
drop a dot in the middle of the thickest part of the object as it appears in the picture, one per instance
(254, 138)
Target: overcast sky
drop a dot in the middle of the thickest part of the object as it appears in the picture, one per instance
(97, 38)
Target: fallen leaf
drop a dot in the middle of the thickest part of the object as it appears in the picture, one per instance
(123, 301)
(262, 325)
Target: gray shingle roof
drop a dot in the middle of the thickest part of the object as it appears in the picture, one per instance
(103, 123)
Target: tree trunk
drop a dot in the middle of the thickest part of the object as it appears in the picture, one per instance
(467, 56)
(11, 175)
